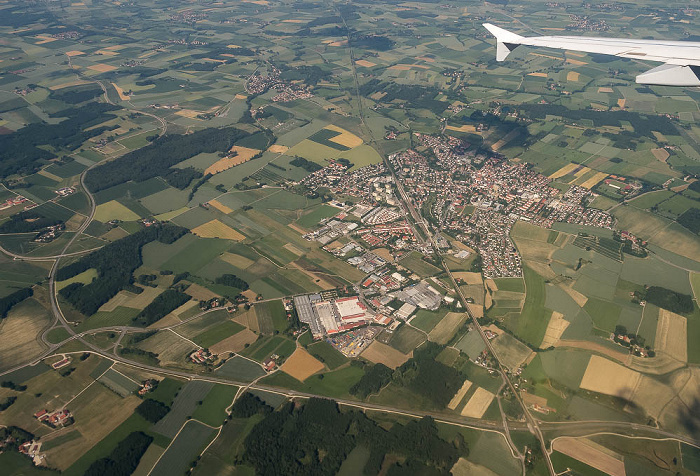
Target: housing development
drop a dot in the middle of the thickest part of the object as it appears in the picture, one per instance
(285, 237)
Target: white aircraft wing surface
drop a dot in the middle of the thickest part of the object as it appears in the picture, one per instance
(681, 58)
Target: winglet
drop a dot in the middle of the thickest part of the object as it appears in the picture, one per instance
(506, 41)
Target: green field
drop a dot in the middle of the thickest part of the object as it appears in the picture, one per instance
(212, 411)
(184, 449)
(217, 333)
(335, 384)
(415, 262)
(604, 313)
(406, 338)
(327, 354)
(533, 320)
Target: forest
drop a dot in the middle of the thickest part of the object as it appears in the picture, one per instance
(162, 305)
(690, 219)
(152, 410)
(315, 439)
(115, 264)
(124, 459)
(305, 164)
(372, 381)
(156, 158)
(233, 281)
(19, 153)
(9, 301)
(26, 222)
(667, 299)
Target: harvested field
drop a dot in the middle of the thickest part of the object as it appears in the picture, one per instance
(605, 376)
(478, 404)
(468, 278)
(384, 354)
(278, 149)
(240, 262)
(556, 327)
(114, 211)
(248, 319)
(200, 293)
(243, 154)
(446, 328)
(592, 454)
(476, 309)
(672, 335)
(565, 170)
(572, 76)
(102, 68)
(538, 75)
(510, 350)
(462, 128)
(365, 63)
(605, 90)
(75, 53)
(661, 154)
(301, 365)
(459, 395)
(464, 467)
(220, 206)
(120, 91)
(581, 299)
(235, 343)
(217, 229)
(134, 301)
(348, 139)
(593, 181)
(653, 396)
(171, 348)
(19, 332)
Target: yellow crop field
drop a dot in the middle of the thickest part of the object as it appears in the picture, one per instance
(301, 365)
(478, 404)
(172, 214)
(572, 76)
(605, 376)
(563, 171)
(538, 75)
(576, 62)
(661, 154)
(244, 154)
(113, 210)
(74, 53)
(384, 354)
(468, 278)
(365, 63)
(85, 277)
(120, 91)
(348, 139)
(556, 327)
(463, 128)
(134, 301)
(446, 328)
(189, 113)
(200, 293)
(49, 175)
(459, 395)
(672, 335)
(278, 149)
(593, 181)
(605, 90)
(216, 229)
(592, 454)
(77, 82)
(102, 68)
(220, 206)
(240, 262)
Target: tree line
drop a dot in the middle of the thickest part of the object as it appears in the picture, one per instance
(161, 306)
(9, 301)
(115, 264)
(124, 458)
(156, 158)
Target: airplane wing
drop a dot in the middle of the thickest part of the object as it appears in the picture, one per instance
(681, 58)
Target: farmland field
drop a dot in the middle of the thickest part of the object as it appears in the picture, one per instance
(184, 449)
(406, 338)
(183, 407)
(327, 354)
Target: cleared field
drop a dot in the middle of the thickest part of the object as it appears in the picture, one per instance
(184, 449)
(468, 278)
(446, 328)
(556, 327)
(510, 350)
(239, 368)
(244, 154)
(653, 396)
(85, 277)
(200, 293)
(384, 354)
(415, 262)
(605, 376)
(478, 404)
(301, 365)
(171, 348)
(220, 206)
(427, 320)
(464, 467)
(459, 395)
(592, 454)
(672, 335)
(113, 210)
(135, 301)
(19, 331)
(345, 138)
(240, 262)
(102, 68)
(217, 229)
